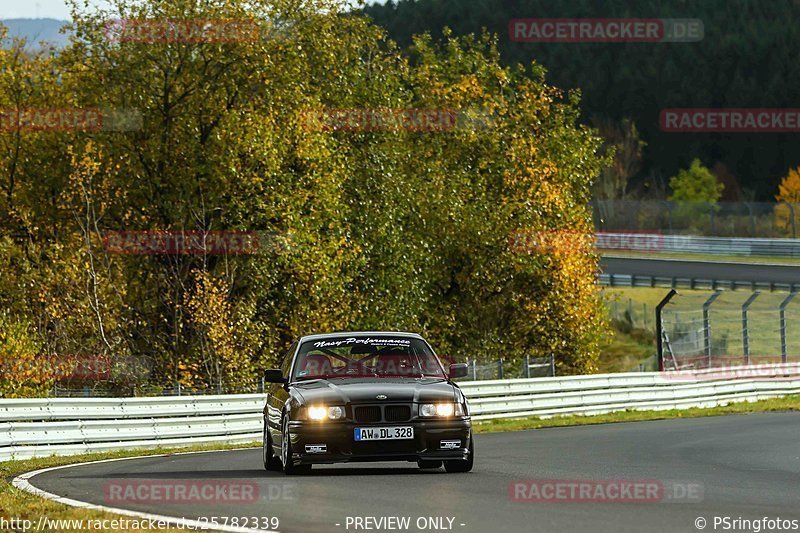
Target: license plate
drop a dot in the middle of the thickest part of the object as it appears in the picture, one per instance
(384, 433)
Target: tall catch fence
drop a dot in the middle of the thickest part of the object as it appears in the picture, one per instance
(720, 219)
(707, 329)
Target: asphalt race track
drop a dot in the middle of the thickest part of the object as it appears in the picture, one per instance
(746, 466)
(767, 273)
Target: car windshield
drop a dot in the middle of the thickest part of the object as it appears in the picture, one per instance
(362, 356)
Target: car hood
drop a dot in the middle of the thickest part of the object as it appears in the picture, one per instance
(349, 390)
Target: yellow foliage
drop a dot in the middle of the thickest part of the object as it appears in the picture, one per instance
(225, 360)
(788, 192)
(23, 373)
(789, 189)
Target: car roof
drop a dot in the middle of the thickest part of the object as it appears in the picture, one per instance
(360, 334)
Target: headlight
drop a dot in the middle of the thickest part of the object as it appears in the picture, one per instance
(317, 413)
(441, 409)
(427, 409)
(444, 409)
(320, 412)
(335, 413)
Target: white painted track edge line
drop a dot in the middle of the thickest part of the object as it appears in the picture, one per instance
(23, 482)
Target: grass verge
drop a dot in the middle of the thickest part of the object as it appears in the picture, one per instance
(18, 504)
(622, 348)
(21, 505)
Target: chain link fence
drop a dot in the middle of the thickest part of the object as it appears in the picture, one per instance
(527, 367)
(721, 219)
(726, 328)
(702, 329)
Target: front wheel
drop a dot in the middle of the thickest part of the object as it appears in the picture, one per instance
(271, 461)
(462, 465)
(289, 468)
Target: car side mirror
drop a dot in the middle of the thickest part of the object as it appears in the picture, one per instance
(274, 375)
(458, 370)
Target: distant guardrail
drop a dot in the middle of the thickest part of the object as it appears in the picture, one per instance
(628, 280)
(693, 244)
(64, 426)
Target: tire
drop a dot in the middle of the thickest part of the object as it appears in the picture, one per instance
(271, 462)
(289, 468)
(427, 464)
(462, 465)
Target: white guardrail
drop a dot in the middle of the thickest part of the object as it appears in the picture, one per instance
(690, 244)
(64, 426)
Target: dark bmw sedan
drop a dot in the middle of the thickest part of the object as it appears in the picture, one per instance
(368, 396)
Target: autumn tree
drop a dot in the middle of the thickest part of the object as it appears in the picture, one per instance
(787, 217)
(622, 142)
(695, 184)
(696, 191)
(387, 228)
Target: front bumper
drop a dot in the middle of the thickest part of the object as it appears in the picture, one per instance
(334, 442)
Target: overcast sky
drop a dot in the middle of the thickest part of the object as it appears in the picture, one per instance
(55, 9)
(28, 9)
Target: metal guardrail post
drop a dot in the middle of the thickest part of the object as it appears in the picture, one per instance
(527, 366)
(552, 365)
(752, 219)
(711, 217)
(500, 368)
(660, 330)
(707, 325)
(474, 370)
(745, 333)
(670, 207)
(784, 303)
